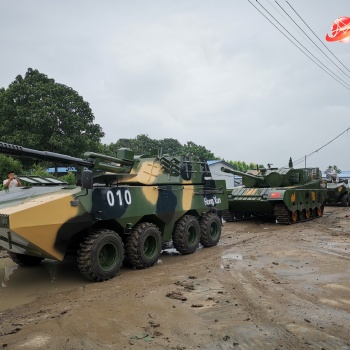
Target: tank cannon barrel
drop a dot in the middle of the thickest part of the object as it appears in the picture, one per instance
(241, 173)
(19, 151)
(95, 160)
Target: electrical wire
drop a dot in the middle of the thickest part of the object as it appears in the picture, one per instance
(302, 159)
(329, 72)
(318, 37)
(322, 52)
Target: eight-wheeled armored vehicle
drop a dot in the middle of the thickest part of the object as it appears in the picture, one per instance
(289, 194)
(125, 213)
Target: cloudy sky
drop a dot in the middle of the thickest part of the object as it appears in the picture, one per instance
(217, 73)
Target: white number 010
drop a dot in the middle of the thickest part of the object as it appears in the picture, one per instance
(119, 197)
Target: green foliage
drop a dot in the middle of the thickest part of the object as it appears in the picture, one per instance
(8, 164)
(69, 178)
(38, 170)
(198, 151)
(243, 166)
(143, 144)
(37, 112)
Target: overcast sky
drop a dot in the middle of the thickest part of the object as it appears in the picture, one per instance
(214, 72)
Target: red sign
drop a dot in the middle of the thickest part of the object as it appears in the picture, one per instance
(340, 30)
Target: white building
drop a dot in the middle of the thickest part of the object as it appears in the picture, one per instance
(217, 174)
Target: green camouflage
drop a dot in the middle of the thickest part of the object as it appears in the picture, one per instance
(289, 194)
(127, 215)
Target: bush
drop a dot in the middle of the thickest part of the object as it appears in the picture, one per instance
(69, 178)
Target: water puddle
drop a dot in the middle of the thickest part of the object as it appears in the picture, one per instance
(21, 285)
(232, 256)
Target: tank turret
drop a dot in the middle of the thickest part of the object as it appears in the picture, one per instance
(126, 167)
(276, 177)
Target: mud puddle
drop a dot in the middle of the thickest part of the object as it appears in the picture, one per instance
(21, 285)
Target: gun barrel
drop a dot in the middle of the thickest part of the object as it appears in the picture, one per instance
(19, 151)
(241, 173)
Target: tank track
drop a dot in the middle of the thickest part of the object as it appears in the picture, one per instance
(282, 215)
(226, 215)
(231, 216)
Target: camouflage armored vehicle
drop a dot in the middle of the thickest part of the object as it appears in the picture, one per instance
(125, 213)
(337, 188)
(289, 194)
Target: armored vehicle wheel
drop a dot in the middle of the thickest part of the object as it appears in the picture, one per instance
(344, 200)
(25, 260)
(320, 211)
(186, 235)
(143, 246)
(294, 216)
(210, 226)
(101, 255)
(308, 214)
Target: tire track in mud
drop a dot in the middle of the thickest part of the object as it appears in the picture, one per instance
(280, 309)
(298, 311)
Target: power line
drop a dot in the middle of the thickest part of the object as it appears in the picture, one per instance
(311, 39)
(330, 73)
(318, 38)
(300, 160)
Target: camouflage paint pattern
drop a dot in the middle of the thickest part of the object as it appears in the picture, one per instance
(290, 190)
(42, 221)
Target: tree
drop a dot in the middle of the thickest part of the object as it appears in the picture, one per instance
(198, 151)
(37, 112)
(143, 144)
(243, 166)
(171, 147)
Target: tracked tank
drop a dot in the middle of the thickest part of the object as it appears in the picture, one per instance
(124, 214)
(291, 195)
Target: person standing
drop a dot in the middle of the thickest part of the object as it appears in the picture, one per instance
(12, 180)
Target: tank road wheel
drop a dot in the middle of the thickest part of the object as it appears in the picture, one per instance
(25, 260)
(320, 211)
(143, 246)
(210, 226)
(344, 200)
(294, 216)
(101, 255)
(186, 235)
(308, 214)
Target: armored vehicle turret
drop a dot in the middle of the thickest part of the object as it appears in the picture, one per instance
(125, 213)
(291, 195)
(338, 190)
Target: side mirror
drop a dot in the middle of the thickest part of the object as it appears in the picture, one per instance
(86, 179)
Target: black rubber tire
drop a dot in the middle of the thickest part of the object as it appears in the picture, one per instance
(344, 200)
(143, 246)
(98, 248)
(25, 260)
(210, 226)
(186, 235)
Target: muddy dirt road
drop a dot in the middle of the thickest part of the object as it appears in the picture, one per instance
(265, 286)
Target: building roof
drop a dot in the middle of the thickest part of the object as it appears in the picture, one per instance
(216, 161)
